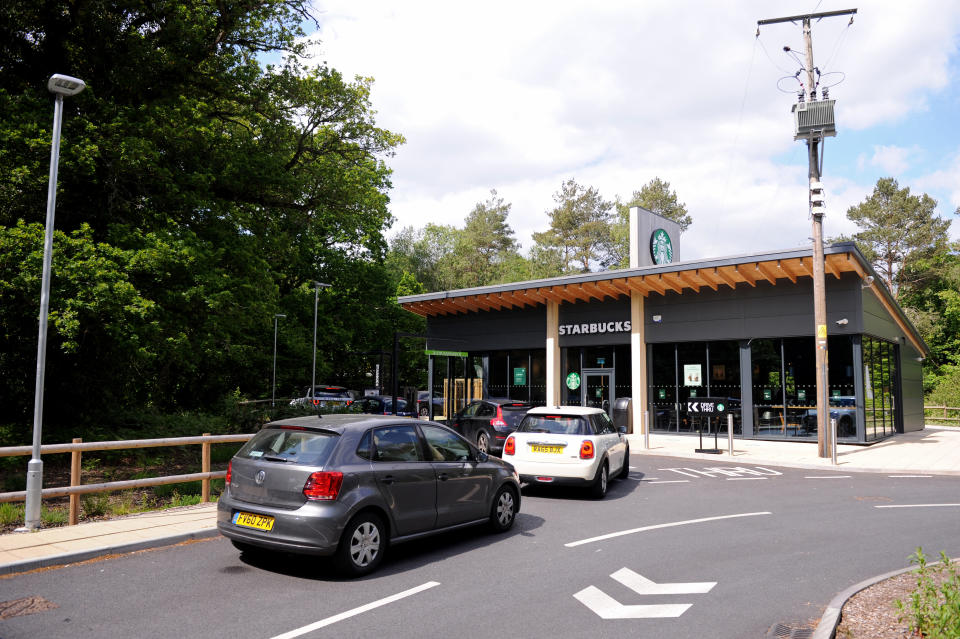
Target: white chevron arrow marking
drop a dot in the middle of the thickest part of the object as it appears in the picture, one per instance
(609, 608)
(643, 586)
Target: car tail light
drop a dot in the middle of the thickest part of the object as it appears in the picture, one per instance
(586, 449)
(498, 420)
(226, 480)
(510, 446)
(323, 486)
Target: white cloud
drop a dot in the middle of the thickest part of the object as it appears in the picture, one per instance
(519, 96)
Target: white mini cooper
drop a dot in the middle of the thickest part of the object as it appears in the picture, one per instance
(569, 445)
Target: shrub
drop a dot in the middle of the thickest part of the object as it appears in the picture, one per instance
(54, 516)
(934, 607)
(95, 505)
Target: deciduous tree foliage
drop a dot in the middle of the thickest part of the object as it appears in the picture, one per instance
(200, 192)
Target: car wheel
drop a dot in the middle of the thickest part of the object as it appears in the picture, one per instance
(362, 545)
(599, 488)
(424, 411)
(625, 471)
(504, 510)
(483, 442)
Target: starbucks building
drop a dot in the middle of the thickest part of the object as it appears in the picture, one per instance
(664, 332)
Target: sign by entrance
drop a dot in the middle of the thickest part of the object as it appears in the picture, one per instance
(573, 381)
(520, 377)
(707, 405)
(447, 353)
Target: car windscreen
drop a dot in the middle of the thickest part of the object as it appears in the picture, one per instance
(554, 424)
(291, 445)
(513, 413)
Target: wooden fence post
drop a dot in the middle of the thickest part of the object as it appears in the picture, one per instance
(75, 481)
(205, 467)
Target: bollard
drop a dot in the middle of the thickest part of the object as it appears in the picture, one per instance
(74, 516)
(833, 440)
(730, 433)
(205, 467)
(646, 431)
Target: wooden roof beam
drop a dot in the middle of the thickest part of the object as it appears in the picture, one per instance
(667, 284)
(564, 294)
(744, 278)
(686, 278)
(620, 285)
(806, 263)
(608, 289)
(856, 267)
(724, 277)
(593, 290)
(783, 269)
(830, 267)
(766, 272)
(548, 294)
(704, 275)
(642, 286)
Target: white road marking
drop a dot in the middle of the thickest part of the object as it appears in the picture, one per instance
(609, 608)
(643, 586)
(662, 481)
(726, 471)
(658, 526)
(356, 611)
(920, 506)
(828, 477)
(745, 478)
(910, 476)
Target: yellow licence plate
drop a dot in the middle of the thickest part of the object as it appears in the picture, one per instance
(555, 450)
(249, 520)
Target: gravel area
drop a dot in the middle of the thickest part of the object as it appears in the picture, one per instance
(872, 612)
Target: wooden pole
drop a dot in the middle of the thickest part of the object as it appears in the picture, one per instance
(205, 468)
(75, 481)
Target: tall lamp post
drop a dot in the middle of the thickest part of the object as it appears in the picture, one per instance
(277, 316)
(316, 298)
(60, 86)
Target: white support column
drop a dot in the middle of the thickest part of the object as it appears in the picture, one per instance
(553, 353)
(638, 363)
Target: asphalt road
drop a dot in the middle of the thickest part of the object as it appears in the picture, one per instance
(716, 549)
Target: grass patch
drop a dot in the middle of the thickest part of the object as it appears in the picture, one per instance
(54, 516)
(95, 505)
(10, 514)
(933, 609)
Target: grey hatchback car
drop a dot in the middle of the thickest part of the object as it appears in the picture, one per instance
(349, 485)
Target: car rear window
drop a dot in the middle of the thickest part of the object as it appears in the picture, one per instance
(291, 445)
(513, 413)
(554, 424)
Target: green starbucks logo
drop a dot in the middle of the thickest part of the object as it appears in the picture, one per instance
(661, 248)
(573, 381)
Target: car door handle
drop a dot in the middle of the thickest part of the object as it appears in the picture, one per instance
(387, 479)
(443, 476)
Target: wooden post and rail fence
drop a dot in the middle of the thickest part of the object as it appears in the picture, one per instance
(77, 447)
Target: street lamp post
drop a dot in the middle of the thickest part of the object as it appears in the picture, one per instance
(60, 86)
(276, 317)
(316, 298)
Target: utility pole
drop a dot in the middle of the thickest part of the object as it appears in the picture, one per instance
(814, 138)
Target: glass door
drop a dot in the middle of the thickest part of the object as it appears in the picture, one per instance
(597, 389)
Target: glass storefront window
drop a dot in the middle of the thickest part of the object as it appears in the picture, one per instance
(571, 364)
(663, 387)
(723, 379)
(767, 382)
(498, 372)
(538, 377)
(880, 387)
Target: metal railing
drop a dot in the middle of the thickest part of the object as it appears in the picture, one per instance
(76, 448)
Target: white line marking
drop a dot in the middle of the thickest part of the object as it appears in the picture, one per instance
(662, 481)
(356, 611)
(920, 506)
(658, 526)
(910, 476)
(643, 586)
(609, 608)
(828, 477)
(744, 478)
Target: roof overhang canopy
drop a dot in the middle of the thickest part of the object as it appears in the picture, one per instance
(682, 278)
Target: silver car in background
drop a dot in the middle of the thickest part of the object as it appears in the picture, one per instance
(348, 486)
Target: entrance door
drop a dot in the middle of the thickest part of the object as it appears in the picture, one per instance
(598, 389)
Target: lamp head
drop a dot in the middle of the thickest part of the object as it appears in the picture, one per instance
(65, 85)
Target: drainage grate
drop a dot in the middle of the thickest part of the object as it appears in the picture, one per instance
(25, 606)
(782, 631)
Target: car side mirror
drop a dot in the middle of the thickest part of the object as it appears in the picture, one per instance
(622, 430)
(482, 456)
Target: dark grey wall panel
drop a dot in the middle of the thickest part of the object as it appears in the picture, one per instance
(876, 320)
(911, 384)
(503, 330)
(785, 310)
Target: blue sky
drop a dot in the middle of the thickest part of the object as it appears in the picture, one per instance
(520, 96)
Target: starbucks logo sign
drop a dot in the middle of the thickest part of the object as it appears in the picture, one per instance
(661, 248)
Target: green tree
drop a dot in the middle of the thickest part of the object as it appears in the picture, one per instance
(656, 196)
(200, 191)
(900, 234)
(579, 229)
(485, 243)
